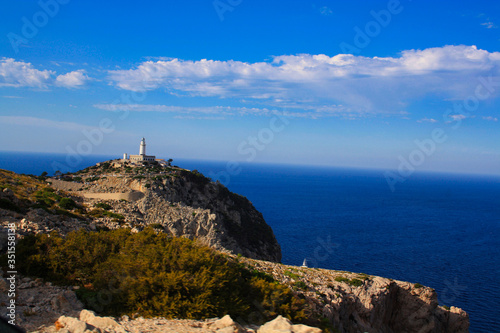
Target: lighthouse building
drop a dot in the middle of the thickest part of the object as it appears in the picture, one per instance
(142, 157)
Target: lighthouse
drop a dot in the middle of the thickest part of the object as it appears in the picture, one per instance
(142, 149)
(142, 157)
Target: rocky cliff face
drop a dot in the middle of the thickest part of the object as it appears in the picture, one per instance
(356, 303)
(181, 202)
(216, 216)
(187, 204)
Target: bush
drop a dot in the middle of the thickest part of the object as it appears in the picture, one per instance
(157, 226)
(103, 205)
(153, 274)
(356, 282)
(67, 203)
(300, 285)
(342, 279)
(9, 205)
(352, 282)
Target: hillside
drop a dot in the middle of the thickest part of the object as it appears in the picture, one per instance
(228, 239)
(114, 195)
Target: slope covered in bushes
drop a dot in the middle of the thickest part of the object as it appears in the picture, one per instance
(152, 274)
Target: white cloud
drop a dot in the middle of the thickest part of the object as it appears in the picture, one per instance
(22, 74)
(210, 110)
(456, 117)
(490, 118)
(325, 11)
(372, 84)
(73, 79)
(40, 122)
(489, 25)
(427, 120)
(195, 112)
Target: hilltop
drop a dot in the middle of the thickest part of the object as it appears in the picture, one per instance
(117, 194)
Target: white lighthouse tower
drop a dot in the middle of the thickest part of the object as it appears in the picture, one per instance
(142, 157)
(142, 150)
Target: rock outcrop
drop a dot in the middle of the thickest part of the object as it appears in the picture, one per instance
(88, 322)
(186, 204)
(181, 202)
(355, 302)
(193, 207)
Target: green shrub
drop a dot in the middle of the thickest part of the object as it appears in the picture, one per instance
(9, 205)
(157, 226)
(103, 205)
(418, 285)
(152, 274)
(292, 275)
(67, 203)
(300, 285)
(352, 282)
(342, 279)
(356, 282)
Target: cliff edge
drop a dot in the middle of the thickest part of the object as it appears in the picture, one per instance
(184, 203)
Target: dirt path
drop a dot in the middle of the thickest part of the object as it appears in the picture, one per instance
(129, 196)
(76, 187)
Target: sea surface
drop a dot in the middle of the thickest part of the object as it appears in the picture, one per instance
(440, 230)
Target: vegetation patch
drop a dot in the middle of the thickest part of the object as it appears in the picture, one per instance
(9, 205)
(103, 205)
(292, 275)
(352, 282)
(152, 274)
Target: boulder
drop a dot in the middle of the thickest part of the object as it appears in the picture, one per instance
(227, 325)
(66, 302)
(283, 325)
(305, 329)
(278, 325)
(71, 324)
(102, 323)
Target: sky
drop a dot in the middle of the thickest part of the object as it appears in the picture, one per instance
(393, 85)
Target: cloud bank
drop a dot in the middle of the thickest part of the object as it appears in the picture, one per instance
(227, 111)
(19, 74)
(378, 84)
(72, 79)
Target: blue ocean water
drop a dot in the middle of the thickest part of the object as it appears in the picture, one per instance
(440, 230)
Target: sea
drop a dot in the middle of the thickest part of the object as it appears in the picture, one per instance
(439, 230)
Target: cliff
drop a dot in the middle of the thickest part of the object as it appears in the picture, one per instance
(184, 203)
(178, 201)
(357, 302)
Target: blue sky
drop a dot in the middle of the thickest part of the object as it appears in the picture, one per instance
(372, 84)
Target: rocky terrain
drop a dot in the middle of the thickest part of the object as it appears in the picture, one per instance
(357, 302)
(178, 201)
(45, 308)
(185, 203)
